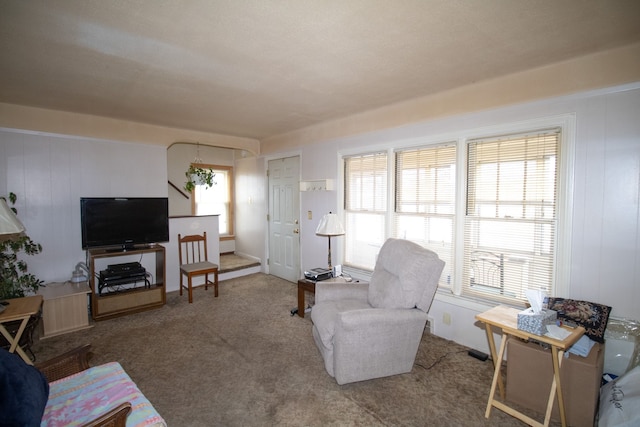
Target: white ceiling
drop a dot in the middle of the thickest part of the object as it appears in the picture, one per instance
(260, 68)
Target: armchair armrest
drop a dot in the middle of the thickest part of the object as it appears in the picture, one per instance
(117, 417)
(66, 364)
(376, 318)
(331, 291)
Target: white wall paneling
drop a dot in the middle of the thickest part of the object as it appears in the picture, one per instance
(50, 173)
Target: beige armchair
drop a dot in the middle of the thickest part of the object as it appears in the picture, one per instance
(366, 331)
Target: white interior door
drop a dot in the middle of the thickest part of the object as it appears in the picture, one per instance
(284, 221)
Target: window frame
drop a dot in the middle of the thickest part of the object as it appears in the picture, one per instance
(441, 155)
(453, 288)
(511, 184)
(383, 214)
(230, 189)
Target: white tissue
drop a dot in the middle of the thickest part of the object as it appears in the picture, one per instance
(556, 332)
(536, 299)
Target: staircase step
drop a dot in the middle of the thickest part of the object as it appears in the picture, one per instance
(233, 262)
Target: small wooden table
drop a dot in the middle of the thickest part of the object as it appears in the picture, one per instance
(65, 307)
(19, 309)
(506, 318)
(304, 285)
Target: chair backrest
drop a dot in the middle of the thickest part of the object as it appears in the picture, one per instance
(406, 275)
(192, 248)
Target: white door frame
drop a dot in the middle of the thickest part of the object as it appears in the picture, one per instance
(284, 220)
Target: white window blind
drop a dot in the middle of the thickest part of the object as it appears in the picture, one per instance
(425, 200)
(365, 208)
(510, 221)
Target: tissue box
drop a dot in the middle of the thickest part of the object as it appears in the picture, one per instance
(536, 323)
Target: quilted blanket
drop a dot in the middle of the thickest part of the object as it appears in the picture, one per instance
(80, 398)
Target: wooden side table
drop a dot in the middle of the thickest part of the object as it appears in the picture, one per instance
(506, 318)
(304, 285)
(19, 309)
(65, 308)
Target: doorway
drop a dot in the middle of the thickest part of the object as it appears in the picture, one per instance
(284, 221)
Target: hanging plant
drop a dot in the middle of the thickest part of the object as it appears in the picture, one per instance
(199, 176)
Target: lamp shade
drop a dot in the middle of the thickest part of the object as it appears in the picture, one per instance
(330, 226)
(9, 222)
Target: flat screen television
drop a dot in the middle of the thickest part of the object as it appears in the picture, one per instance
(123, 222)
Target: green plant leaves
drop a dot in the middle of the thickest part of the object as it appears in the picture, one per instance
(196, 176)
(15, 282)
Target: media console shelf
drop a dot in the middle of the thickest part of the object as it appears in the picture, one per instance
(128, 301)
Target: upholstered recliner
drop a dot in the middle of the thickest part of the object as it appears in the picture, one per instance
(372, 331)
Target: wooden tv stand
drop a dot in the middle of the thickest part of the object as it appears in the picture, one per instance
(129, 301)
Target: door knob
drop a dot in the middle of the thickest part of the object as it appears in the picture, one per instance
(296, 230)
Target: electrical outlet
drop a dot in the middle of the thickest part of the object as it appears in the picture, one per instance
(430, 324)
(446, 318)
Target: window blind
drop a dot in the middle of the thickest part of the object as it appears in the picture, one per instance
(216, 200)
(510, 221)
(425, 189)
(365, 208)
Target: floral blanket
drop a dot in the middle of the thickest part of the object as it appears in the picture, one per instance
(83, 397)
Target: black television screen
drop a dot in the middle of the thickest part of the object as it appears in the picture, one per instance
(123, 221)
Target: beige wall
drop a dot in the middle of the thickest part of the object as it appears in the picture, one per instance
(86, 126)
(604, 69)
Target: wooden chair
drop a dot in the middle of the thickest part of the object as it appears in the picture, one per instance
(194, 261)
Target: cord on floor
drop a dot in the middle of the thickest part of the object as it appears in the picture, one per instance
(440, 359)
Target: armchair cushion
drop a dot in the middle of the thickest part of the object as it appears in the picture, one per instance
(83, 397)
(400, 274)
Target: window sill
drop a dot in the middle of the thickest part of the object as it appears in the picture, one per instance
(476, 304)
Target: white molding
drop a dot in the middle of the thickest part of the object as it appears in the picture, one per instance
(478, 306)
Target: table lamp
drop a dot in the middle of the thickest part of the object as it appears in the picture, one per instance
(10, 225)
(330, 226)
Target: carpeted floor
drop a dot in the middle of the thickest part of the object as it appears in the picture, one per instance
(242, 360)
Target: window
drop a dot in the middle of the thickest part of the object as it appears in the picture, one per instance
(425, 190)
(365, 208)
(510, 220)
(216, 200)
(495, 209)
